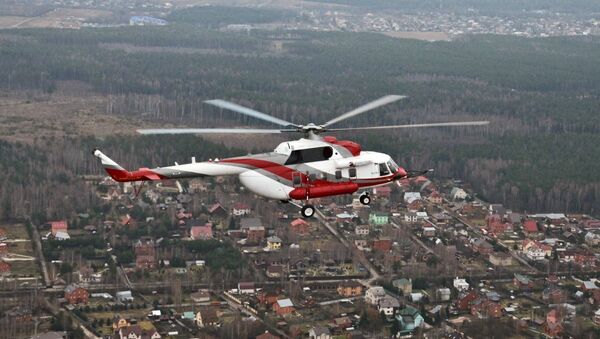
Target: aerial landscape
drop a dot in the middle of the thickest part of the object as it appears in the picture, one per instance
(299, 169)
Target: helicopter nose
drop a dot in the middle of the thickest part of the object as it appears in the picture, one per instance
(401, 172)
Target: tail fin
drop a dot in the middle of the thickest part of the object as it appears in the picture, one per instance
(120, 174)
(112, 168)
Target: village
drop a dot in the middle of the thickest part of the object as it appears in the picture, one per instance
(205, 258)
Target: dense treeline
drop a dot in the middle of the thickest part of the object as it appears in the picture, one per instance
(541, 95)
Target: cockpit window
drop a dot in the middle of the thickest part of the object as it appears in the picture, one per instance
(309, 155)
(383, 169)
(393, 167)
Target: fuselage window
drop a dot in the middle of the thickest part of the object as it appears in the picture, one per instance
(352, 172)
(383, 169)
(309, 155)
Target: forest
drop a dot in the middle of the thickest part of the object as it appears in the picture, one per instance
(541, 96)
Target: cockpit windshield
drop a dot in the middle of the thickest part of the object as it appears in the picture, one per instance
(393, 167)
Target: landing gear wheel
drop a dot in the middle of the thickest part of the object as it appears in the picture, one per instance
(307, 211)
(365, 199)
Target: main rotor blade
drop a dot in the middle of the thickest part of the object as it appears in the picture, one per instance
(437, 124)
(209, 131)
(248, 111)
(366, 107)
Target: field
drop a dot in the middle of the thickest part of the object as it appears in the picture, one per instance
(426, 36)
(57, 18)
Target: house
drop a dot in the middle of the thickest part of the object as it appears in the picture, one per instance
(362, 230)
(241, 209)
(273, 243)
(217, 210)
(458, 194)
(76, 295)
(379, 218)
(429, 231)
(342, 323)
(382, 244)
(443, 294)
(143, 330)
(435, 198)
(553, 325)
(267, 297)
(300, 226)
(144, 246)
(441, 218)
(58, 226)
(460, 284)
(274, 271)
(522, 281)
(124, 296)
(530, 228)
(349, 288)
(207, 317)
(410, 217)
(200, 296)
(319, 332)
(388, 305)
(482, 247)
(486, 309)
(410, 197)
(246, 223)
(382, 191)
(409, 319)
(404, 285)
(145, 262)
(61, 235)
(374, 294)
(283, 306)
(534, 250)
(465, 300)
(267, 335)
(501, 259)
(201, 232)
(592, 239)
(415, 206)
(255, 234)
(119, 322)
(246, 288)
(588, 285)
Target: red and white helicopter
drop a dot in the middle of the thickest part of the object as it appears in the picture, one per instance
(299, 170)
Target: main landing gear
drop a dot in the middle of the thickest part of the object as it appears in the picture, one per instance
(365, 199)
(307, 211)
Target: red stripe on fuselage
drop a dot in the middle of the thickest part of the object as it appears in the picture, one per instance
(275, 168)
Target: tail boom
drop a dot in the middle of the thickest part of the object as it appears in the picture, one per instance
(120, 174)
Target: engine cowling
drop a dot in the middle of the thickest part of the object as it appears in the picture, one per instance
(301, 193)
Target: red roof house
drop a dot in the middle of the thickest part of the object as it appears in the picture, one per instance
(300, 226)
(5, 267)
(56, 226)
(530, 227)
(201, 232)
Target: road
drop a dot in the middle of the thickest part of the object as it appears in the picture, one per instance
(40, 254)
(358, 254)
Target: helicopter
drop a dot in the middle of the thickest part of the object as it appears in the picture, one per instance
(313, 166)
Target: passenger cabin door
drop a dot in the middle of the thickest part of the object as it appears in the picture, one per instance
(297, 179)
